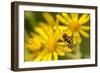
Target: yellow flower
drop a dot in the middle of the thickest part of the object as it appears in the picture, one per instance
(74, 24)
(45, 41)
(50, 20)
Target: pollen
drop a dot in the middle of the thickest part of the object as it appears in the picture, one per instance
(74, 26)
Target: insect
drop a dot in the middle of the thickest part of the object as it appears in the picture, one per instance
(69, 40)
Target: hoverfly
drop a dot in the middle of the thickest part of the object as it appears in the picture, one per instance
(69, 40)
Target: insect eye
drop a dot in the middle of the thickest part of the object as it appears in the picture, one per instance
(64, 36)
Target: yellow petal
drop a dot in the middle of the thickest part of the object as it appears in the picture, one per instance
(45, 58)
(40, 56)
(33, 44)
(74, 16)
(76, 34)
(50, 30)
(66, 16)
(46, 28)
(49, 18)
(41, 33)
(84, 18)
(28, 57)
(49, 56)
(55, 56)
(69, 33)
(61, 19)
(32, 47)
(66, 49)
(36, 41)
(40, 39)
(76, 38)
(60, 52)
(85, 34)
(57, 35)
(61, 43)
(63, 28)
(85, 27)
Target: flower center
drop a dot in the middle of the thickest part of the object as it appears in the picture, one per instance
(51, 44)
(74, 26)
